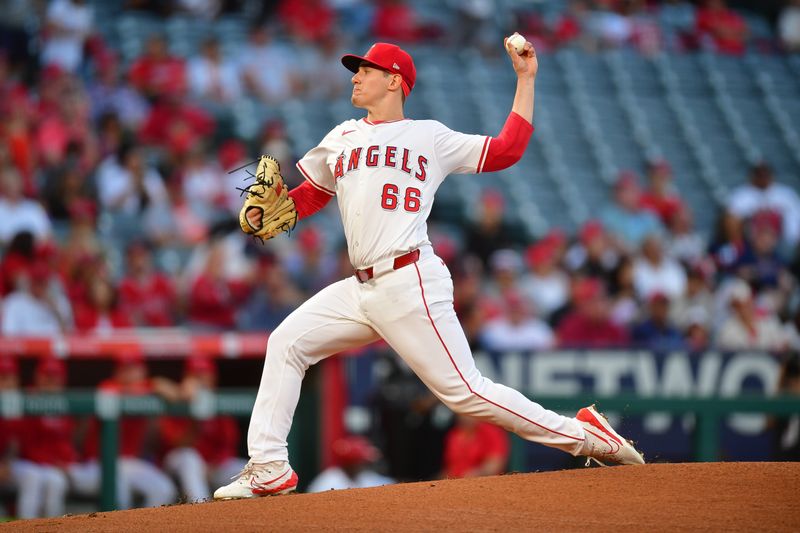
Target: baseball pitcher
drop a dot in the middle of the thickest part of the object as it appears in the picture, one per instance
(384, 169)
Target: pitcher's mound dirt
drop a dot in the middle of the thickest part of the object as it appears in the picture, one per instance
(659, 497)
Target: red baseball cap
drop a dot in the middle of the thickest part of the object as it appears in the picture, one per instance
(50, 366)
(660, 166)
(130, 357)
(658, 297)
(591, 230)
(354, 450)
(767, 219)
(541, 252)
(515, 302)
(200, 365)
(587, 289)
(8, 365)
(627, 178)
(493, 198)
(388, 57)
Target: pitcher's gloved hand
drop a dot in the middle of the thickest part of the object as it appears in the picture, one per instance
(268, 210)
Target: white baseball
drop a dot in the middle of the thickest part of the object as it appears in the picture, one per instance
(516, 41)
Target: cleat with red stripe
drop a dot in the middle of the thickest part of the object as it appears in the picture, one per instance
(603, 443)
(260, 479)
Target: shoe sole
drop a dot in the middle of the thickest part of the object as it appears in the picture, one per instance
(252, 495)
(599, 421)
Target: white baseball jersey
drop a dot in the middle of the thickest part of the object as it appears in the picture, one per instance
(385, 176)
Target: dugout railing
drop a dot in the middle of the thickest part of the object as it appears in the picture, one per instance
(109, 407)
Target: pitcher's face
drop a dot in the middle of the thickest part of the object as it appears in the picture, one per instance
(370, 85)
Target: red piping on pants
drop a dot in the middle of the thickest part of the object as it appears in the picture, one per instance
(424, 301)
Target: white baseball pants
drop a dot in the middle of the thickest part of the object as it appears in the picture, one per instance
(193, 473)
(134, 477)
(412, 310)
(41, 488)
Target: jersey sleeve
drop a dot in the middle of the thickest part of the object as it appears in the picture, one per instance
(315, 166)
(459, 153)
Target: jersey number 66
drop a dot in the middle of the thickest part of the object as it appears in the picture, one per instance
(390, 197)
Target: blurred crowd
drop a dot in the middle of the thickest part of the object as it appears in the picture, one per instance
(641, 274)
(675, 25)
(117, 209)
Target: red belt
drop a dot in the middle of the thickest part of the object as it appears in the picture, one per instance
(399, 262)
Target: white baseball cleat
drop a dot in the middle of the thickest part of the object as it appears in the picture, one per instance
(259, 479)
(603, 443)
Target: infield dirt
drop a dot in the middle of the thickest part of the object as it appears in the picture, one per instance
(658, 497)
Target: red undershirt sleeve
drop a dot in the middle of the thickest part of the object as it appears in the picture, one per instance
(308, 199)
(507, 148)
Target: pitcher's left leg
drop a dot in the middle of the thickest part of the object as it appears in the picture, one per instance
(429, 338)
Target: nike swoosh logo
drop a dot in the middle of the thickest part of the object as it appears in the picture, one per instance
(345, 132)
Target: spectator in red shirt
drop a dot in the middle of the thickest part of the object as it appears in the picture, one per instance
(660, 197)
(725, 28)
(135, 475)
(474, 448)
(395, 21)
(101, 313)
(16, 474)
(174, 125)
(147, 296)
(46, 441)
(294, 14)
(156, 72)
(213, 300)
(66, 127)
(53, 83)
(200, 452)
(17, 134)
(9, 379)
(589, 324)
(568, 28)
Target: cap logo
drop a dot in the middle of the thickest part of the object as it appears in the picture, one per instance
(395, 66)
